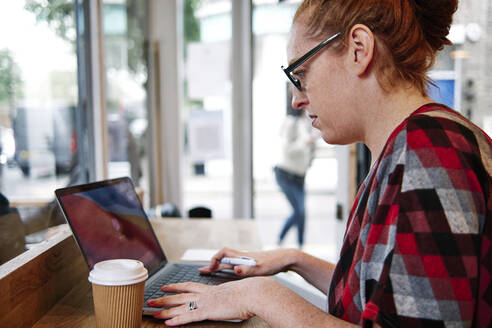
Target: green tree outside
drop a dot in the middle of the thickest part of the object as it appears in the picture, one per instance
(10, 79)
(59, 14)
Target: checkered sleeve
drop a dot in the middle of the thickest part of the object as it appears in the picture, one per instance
(433, 207)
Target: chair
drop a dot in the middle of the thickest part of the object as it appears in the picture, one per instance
(11, 231)
(167, 210)
(199, 212)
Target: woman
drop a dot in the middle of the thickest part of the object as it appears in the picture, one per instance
(290, 171)
(417, 244)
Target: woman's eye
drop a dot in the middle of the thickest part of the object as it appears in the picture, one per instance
(299, 74)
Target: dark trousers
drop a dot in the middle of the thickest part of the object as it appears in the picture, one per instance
(292, 186)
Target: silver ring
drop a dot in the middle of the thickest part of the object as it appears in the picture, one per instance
(192, 306)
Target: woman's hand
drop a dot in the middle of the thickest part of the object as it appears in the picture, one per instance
(267, 262)
(241, 299)
(197, 302)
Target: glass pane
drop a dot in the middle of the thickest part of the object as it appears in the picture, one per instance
(207, 112)
(461, 73)
(444, 60)
(124, 26)
(470, 54)
(271, 103)
(38, 104)
(443, 92)
(38, 97)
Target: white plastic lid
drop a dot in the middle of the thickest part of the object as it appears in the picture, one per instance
(118, 272)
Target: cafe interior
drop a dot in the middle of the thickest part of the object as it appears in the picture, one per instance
(186, 98)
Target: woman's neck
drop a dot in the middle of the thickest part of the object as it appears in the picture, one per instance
(386, 112)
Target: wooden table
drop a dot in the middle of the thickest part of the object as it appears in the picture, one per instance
(61, 268)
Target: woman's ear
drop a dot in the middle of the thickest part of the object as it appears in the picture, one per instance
(361, 45)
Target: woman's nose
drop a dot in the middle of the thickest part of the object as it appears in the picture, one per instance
(299, 99)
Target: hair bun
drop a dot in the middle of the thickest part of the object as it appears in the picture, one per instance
(435, 18)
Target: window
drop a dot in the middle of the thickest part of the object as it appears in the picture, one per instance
(207, 113)
(38, 98)
(125, 71)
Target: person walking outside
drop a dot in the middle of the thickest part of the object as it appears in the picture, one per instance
(297, 152)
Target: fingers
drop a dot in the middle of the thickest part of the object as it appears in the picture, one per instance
(244, 270)
(171, 312)
(180, 315)
(206, 270)
(198, 302)
(172, 300)
(186, 317)
(185, 287)
(215, 264)
(184, 292)
(226, 252)
(218, 267)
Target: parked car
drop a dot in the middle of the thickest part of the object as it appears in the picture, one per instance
(7, 147)
(64, 144)
(45, 140)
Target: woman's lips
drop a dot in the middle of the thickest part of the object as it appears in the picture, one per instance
(314, 120)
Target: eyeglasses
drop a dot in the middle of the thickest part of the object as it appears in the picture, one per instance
(289, 71)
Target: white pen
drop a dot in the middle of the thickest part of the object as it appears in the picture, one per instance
(240, 260)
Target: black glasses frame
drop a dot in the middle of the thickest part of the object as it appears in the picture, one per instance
(289, 71)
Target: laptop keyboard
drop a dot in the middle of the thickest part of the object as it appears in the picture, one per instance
(180, 273)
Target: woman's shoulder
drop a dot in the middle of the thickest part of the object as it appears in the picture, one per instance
(437, 126)
(438, 137)
(441, 127)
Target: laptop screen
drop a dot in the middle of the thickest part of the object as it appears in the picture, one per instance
(108, 222)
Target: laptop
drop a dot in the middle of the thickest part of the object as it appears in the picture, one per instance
(109, 222)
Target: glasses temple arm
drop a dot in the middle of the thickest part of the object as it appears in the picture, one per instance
(310, 53)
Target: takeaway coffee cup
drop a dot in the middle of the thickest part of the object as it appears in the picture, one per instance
(118, 291)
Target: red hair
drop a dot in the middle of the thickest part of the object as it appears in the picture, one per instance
(408, 32)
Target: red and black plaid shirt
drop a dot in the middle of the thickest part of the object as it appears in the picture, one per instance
(417, 249)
